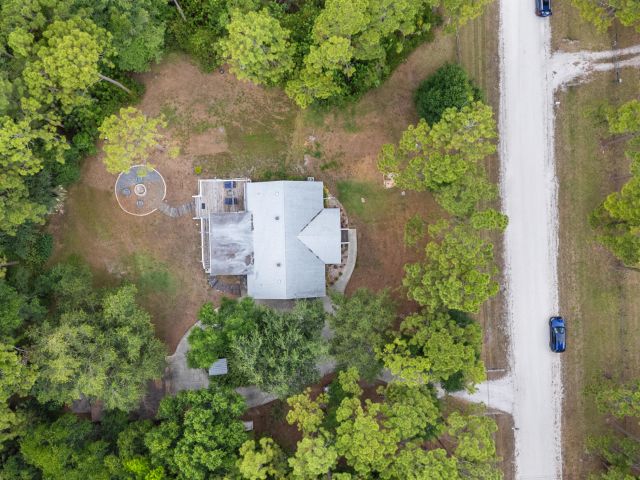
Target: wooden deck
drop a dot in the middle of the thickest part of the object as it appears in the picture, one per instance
(212, 195)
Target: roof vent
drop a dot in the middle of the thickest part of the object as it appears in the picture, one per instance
(277, 217)
(278, 264)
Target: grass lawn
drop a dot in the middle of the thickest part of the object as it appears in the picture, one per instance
(369, 202)
(598, 296)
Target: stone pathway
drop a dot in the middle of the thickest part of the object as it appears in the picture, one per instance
(179, 211)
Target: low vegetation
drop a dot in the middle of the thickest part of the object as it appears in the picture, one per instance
(617, 219)
(602, 13)
(618, 447)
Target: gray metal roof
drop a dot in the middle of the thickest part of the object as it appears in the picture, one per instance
(322, 237)
(219, 367)
(230, 243)
(284, 264)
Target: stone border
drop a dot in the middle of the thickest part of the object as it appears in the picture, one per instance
(115, 192)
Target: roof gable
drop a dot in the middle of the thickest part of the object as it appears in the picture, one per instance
(322, 236)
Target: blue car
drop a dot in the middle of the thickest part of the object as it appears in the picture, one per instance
(557, 334)
(543, 8)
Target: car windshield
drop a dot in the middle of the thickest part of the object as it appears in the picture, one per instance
(559, 330)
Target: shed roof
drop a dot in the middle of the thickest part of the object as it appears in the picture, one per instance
(219, 367)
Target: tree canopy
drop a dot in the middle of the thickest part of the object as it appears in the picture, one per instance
(448, 87)
(258, 48)
(277, 351)
(445, 158)
(346, 435)
(361, 324)
(617, 219)
(602, 13)
(616, 446)
(128, 139)
(436, 348)
(457, 273)
(106, 353)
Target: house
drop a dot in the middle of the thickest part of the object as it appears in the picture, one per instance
(277, 234)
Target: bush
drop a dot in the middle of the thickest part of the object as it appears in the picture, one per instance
(448, 87)
(199, 34)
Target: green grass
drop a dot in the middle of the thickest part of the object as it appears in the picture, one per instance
(377, 202)
(150, 275)
(604, 324)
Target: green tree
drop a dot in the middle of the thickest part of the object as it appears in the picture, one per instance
(489, 219)
(617, 221)
(324, 72)
(66, 63)
(137, 28)
(128, 138)
(618, 400)
(458, 12)
(68, 287)
(66, 450)
(261, 460)
(434, 347)
(12, 305)
(457, 273)
(429, 158)
(350, 44)
(314, 457)
(220, 330)
(199, 434)
(305, 413)
(475, 448)
(445, 158)
(361, 324)
(277, 351)
(22, 154)
(448, 87)
(389, 436)
(258, 48)
(617, 446)
(601, 13)
(16, 380)
(280, 355)
(108, 355)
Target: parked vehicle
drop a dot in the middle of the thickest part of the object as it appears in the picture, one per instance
(543, 8)
(557, 334)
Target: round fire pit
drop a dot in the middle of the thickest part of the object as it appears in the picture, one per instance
(148, 190)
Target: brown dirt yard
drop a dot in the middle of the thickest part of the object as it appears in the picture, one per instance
(227, 127)
(597, 295)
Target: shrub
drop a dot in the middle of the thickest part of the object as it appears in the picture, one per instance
(448, 87)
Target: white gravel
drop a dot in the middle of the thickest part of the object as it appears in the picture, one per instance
(529, 189)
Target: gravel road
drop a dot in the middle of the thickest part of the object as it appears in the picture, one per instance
(529, 190)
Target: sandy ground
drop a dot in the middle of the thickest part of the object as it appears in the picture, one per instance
(529, 199)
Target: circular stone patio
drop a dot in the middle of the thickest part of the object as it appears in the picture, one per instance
(140, 194)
